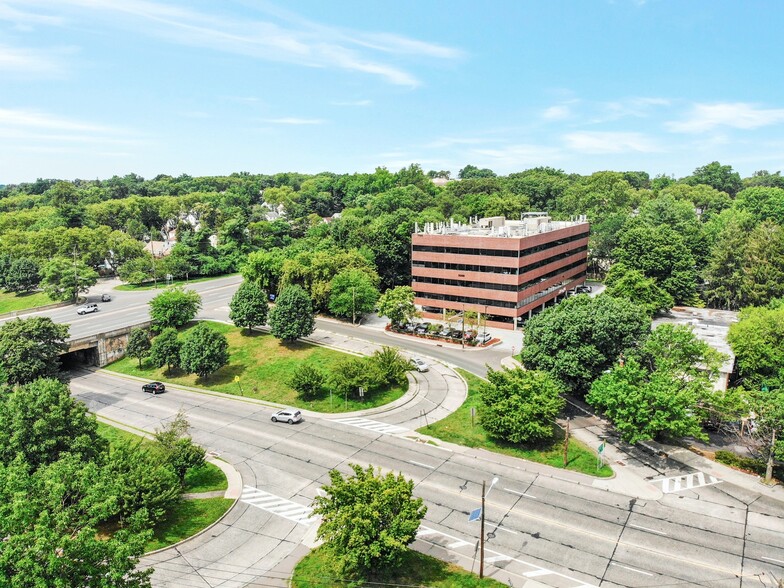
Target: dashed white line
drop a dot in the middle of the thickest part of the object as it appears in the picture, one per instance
(612, 563)
(496, 558)
(537, 573)
(647, 529)
(424, 465)
(771, 559)
(519, 493)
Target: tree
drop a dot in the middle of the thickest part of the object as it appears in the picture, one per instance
(308, 381)
(264, 268)
(30, 348)
(471, 171)
(137, 270)
(204, 350)
(392, 366)
(248, 306)
(292, 316)
(368, 519)
(165, 349)
(665, 390)
(660, 253)
(138, 344)
(519, 406)
(718, 176)
(397, 304)
(49, 523)
(177, 448)
(349, 375)
(65, 279)
(576, 340)
(623, 282)
(23, 275)
(40, 421)
(174, 307)
(757, 340)
(352, 294)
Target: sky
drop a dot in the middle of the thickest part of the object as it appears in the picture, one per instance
(94, 88)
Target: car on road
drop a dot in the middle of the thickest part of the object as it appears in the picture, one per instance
(106, 297)
(420, 364)
(483, 338)
(87, 308)
(287, 415)
(154, 387)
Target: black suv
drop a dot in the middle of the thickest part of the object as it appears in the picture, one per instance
(154, 387)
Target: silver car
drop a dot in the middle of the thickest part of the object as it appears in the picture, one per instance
(87, 308)
(420, 365)
(287, 415)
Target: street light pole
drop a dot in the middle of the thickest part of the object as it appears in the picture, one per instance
(482, 528)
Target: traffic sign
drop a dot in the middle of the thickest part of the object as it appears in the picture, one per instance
(475, 515)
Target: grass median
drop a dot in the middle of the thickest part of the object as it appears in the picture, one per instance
(162, 283)
(458, 428)
(318, 570)
(11, 302)
(264, 366)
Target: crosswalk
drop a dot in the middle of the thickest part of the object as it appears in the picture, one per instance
(276, 505)
(371, 425)
(686, 482)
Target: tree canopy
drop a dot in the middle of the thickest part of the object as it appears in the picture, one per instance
(203, 351)
(248, 307)
(174, 307)
(292, 316)
(30, 349)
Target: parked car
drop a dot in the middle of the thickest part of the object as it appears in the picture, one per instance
(444, 332)
(106, 297)
(154, 387)
(483, 338)
(420, 365)
(583, 289)
(409, 327)
(421, 328)
(469, 335)
(287, 415)
(87, 308)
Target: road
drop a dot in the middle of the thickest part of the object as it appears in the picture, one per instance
(556, 528)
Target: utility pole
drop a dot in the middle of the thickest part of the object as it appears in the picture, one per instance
(462, 334)
(76, 279)
(353, 305)
(482, 537)
(769, 468)
(566, 443)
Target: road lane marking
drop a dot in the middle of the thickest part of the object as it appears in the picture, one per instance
(537, 573)
(375, 426)
(612, 563)
(646, 529)
(276, 505)
(686, 482)
(519, 493)
(424, 465)
(771, 559)
(496, 558)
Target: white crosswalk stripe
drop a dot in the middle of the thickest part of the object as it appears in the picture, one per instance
(371, 425)
(278, 506)
(686, 482)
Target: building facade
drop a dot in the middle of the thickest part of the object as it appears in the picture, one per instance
(506, 270)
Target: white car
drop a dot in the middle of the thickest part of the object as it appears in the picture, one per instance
(86, 308)
(420, 365)
(483, 338)
(287, 415)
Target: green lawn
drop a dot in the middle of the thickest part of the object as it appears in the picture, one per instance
(10, 302)
(457, 428)
(115, 435)
(207, 478)
(187, 518)
(162, 283)
(317, 570)
(264, 366)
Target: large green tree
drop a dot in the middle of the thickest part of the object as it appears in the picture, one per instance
(292, 316)
(519, 406)
(757, 340)
(666, 388)
(397, 304)
(41, 421)
(579, 338)
(138, 344)
(23, 275)
(248, 307)
(624, 282)
(177, 448)
(30, 349)
(65, 279)
(352, 294)
(368, 520)
(720, 177)
(174, 307)
(204, 350)
(165, 349)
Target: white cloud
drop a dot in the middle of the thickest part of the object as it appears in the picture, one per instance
(23, 19)
(294, 40)
(292, 120)
(600, 142)
(28, 128)
(33, 62)
(738, 115)
(558, 112)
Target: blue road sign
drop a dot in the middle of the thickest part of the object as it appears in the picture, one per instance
(475, 515)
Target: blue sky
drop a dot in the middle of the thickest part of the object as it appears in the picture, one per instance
(92, 88)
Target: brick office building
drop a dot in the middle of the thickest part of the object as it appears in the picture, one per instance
(504, 269)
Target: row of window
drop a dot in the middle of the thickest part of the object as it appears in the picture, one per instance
(495, 303)
(503, 287)
(500, 252)
(498, 270)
